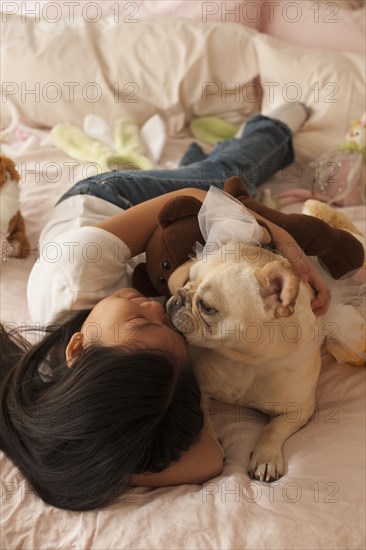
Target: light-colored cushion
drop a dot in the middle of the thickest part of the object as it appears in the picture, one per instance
(332, 84)
(229, 11)
(179, 69)
(329, 25)
(206, 11)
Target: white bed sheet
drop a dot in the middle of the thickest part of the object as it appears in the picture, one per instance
(319, 503)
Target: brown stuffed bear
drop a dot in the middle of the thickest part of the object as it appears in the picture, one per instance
(172, 243)
(170, 246)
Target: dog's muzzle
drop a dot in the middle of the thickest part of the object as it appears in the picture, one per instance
(180, 299)
(179, 308)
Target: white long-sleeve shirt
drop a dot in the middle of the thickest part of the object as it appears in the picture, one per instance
(78, 264)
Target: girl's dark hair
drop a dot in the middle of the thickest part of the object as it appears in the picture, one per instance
(78, 434)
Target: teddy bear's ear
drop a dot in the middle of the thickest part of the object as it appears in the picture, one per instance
(141, 281)
(236, 188)
(178, 207)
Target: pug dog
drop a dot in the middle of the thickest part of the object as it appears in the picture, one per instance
(255, 340)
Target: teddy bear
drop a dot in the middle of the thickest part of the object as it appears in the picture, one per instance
(14, 241)
(178, 230)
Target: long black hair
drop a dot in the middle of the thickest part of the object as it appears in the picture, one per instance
(78, 434)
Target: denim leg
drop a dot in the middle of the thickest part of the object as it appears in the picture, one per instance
(264, 148)
(193, 154)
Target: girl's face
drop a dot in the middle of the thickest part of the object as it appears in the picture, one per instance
(127, 318)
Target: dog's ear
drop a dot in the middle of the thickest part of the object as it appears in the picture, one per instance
(279, 287)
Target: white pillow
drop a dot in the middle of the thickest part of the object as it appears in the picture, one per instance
(60, 72)
(332, 84)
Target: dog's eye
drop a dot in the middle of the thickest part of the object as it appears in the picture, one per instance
(205, 308)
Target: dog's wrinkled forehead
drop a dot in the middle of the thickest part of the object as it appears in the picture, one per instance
(223, 287)
(227, 258)
(226, 277)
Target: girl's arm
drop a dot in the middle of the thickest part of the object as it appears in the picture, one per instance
(136, 225)
(201, 462)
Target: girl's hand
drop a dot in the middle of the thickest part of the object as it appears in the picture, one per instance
(289, 248)
(201, 462)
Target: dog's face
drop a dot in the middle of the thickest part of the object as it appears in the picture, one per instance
(228, 291)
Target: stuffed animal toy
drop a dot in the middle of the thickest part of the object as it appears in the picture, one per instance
(170, 246)
(121, 147)
(339, 177)
(212, 130)
(173, 241)
(14, 241)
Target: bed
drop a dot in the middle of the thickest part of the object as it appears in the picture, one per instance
(320, 501)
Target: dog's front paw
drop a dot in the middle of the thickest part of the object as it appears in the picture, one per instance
(266, 465)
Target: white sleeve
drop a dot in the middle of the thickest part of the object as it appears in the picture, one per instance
(75, 271)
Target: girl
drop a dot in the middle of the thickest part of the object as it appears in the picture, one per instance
(107, 399)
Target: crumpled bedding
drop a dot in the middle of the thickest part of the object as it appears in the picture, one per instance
(319, 503)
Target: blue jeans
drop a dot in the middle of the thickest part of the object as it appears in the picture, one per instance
(264, 148)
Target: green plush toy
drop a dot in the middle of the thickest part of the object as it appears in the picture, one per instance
(118, 148)
(212, 130)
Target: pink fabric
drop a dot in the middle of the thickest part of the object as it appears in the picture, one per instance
(316, 25)
(332, 25)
